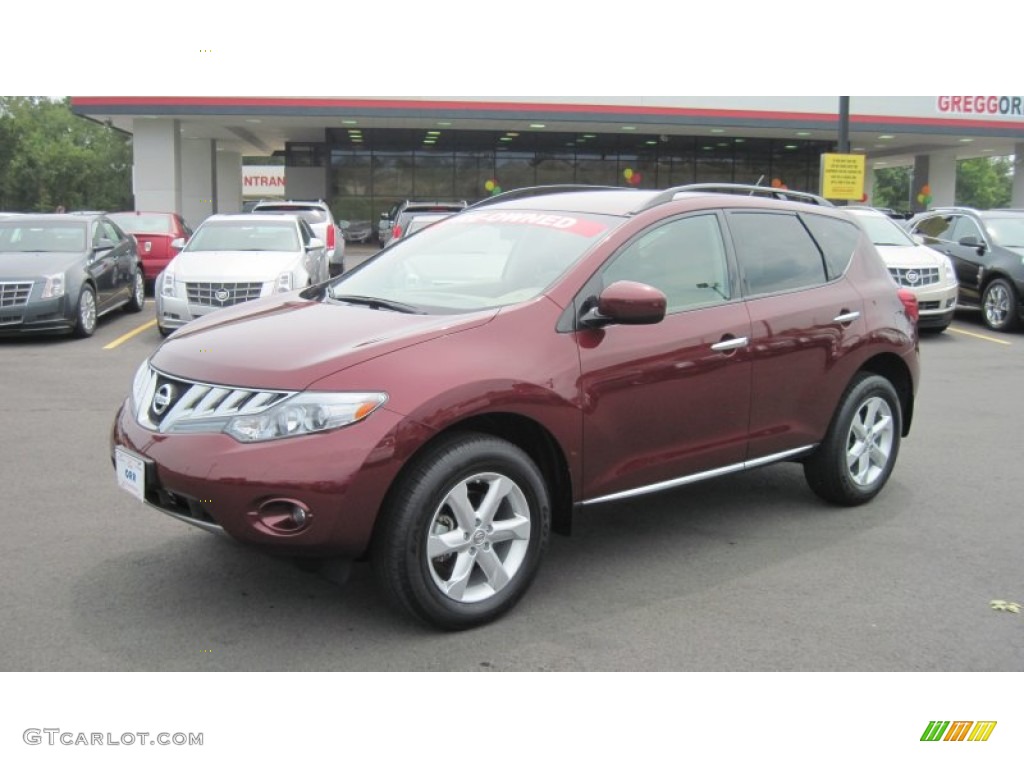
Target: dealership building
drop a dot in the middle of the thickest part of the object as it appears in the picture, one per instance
(362, 154)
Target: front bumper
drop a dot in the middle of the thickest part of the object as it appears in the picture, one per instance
(338, 478)
(936, 305)
(37, 316)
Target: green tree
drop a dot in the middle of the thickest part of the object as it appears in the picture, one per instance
(892, 188)
(984, 182)
(51, 157)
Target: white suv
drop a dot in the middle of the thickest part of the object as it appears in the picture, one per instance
(318, 215)
(926, 272)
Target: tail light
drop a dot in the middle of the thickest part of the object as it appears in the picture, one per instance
(330, 237)
(909, 304)
(396, 232)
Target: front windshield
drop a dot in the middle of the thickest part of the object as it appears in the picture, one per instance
(475, 260)
(39, 237)
(244, 236)
(1007, 231)
(884, 231)
(147, 223)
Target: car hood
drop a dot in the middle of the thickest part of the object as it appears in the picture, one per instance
(909, 256)
(289, 342)
(232, 266)
(22, 266)
(1018, 249)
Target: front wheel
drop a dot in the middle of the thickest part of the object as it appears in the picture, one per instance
(463, 532)
(855, 459)
(999, 305)
(85, 321)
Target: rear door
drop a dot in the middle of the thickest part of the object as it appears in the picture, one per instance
(805, 316)
(665, 402)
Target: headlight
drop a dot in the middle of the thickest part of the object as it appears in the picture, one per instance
(167, 286)
(139, 384)
(948, 270)
(284, 282)
(305, 414)
(54, 287)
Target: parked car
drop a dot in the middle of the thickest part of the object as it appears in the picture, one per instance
(234, 258)
(318, 215)
(154, 232)
(386, 227)
(987, 250)
(360, 231)
(445, 405)
(926, 272)
(413, 221)
(60, 272)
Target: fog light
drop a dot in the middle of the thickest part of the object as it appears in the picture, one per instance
(285, 516)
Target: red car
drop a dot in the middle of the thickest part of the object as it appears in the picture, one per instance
(154, 233)
(443, 406)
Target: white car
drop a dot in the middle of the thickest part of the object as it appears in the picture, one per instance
(233, 258)
(926, 272)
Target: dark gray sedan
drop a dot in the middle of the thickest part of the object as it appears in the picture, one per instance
(60, 272)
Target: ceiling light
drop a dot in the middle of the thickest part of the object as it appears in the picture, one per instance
(350, 122)
(444, 124)
(803, 133)
(629, 127)
(966, 141)
(537, 125)
(791, 146)
(718, 130)
(885, 136)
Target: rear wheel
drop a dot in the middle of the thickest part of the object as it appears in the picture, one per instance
(463, 532)
(855, 459)
(138, 298)
(999, 305)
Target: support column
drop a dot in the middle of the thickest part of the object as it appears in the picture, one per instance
(156, 165)
(1017, 195)
(938, 171)
(198, 169)
(229, 182)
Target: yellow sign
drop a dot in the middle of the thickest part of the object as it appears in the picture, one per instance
(842, 177)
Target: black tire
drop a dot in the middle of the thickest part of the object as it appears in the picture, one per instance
(164, 331)
(999, 306)
(859, 451)
(85, 323)
(138, 299)
(498, 551)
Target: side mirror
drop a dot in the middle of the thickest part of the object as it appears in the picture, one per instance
(972, 241)
(626, 303)
(314, 243)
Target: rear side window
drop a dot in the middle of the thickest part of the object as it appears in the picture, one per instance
(775, 252)
(837, 240)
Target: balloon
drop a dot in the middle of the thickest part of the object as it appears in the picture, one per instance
(497, 190)
(776, 183)
(628, 173)
(637, 177)
(920, 199)
(489, 185)
(927, 199)
(926, 190)
(864, 197)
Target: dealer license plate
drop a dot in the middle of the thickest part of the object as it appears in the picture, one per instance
(131, 473)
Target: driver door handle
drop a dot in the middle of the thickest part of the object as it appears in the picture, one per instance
(727, 345)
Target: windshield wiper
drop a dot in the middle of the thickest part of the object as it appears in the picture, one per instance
(375, 303)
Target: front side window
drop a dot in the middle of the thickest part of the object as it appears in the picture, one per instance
(684, 259)
(775, 252)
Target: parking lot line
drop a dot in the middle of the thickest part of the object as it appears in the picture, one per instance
(121, 339)
(974, 335)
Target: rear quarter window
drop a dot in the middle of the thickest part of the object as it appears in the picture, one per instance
(837, 240)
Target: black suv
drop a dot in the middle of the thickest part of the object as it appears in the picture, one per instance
(987, 250)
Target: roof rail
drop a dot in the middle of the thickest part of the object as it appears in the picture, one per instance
(547, 189)
(735, 189)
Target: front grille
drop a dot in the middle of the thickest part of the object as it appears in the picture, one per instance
(222, 294)
(14, 294)
(166, 404)
(10, 319)
(914, 277)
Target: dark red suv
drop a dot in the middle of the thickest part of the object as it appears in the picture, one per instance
(445, 405)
